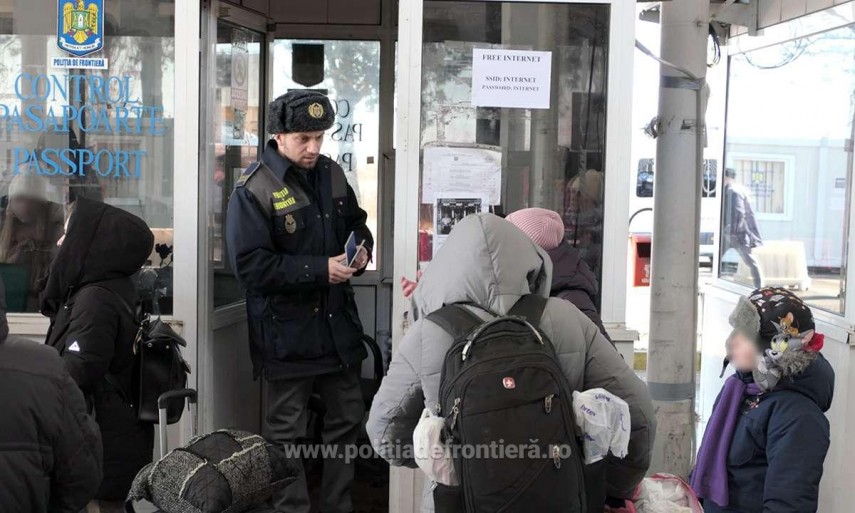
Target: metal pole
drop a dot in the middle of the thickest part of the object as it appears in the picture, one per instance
(676, 223)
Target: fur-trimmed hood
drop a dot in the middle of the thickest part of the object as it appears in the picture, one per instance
(486, 261)
(809, 374)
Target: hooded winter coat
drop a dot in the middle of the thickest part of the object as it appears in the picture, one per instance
(50, 451)
(779, 444)
(574, 281)
(489, 262)
(87, 296)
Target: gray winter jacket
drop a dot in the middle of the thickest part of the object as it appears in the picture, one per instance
(488, 261)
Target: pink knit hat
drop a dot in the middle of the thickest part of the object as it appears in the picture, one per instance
(544, 227)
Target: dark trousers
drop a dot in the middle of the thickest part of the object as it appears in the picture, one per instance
(285, 423)
(595, 486)
(750, 260)
(747, 256)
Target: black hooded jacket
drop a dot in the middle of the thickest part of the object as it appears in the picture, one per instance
(50, 452)
(574, 281)
(86, 295)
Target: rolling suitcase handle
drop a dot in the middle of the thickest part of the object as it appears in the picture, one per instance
(163, 401)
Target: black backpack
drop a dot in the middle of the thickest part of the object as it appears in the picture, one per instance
(159, 367)
(508, 415)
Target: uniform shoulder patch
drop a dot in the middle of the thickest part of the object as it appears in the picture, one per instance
(247, 174)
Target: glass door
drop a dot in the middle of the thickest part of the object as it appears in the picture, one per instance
(238, 133)
(233, 99)
(348, 72)
(504, 105)
(513, 115)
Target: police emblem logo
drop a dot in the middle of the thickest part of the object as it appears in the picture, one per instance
(316, 110)
(80, 26)
(290, 224)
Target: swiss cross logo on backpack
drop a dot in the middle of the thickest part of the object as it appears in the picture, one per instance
(509, 383)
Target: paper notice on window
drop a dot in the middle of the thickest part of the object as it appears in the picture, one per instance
(511, 78)
(240, 70)
(449, 209)
(477, 170)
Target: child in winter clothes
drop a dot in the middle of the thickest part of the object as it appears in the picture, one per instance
(767, 438)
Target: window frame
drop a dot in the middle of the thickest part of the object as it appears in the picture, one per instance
(789, 162)
(841, 16)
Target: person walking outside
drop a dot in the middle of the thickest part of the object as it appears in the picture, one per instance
(740, 226)
(288, 221)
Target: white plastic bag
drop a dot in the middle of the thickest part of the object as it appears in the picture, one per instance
(432, 454)
(604, 420)
(666, 493)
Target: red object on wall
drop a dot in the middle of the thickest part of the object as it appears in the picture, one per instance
(425, 246)
(640, 259)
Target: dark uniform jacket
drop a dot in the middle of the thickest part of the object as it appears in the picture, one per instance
(94, 331)
(50, 452)
(282, 227)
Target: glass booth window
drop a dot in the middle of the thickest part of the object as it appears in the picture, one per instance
(646, 170)
(235, 141)
(98, 127)
(349, 73)
(513, 116)
(788, 166)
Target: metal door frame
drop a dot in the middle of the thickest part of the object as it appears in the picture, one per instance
(186, 214)
(209, 317)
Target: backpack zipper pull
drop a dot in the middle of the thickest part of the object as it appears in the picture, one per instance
(547, 403)
(465, 352)
(455, 411)
(556, 456)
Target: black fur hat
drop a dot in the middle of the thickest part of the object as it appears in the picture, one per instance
(300, 110)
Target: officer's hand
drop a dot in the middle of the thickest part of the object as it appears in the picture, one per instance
(338, 271)
(361, 259)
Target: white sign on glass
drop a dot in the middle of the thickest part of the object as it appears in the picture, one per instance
(450, 168)
(240, 70)
(511, 78)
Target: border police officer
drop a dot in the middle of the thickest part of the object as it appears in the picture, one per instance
(287, 224)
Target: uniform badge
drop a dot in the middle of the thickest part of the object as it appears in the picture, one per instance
(316, 110)
(290, 224)
(80, 26)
